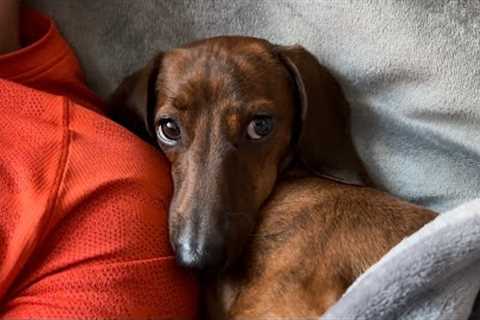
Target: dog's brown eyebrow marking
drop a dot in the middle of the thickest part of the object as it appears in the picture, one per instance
(179, 106)
(260, 106)
(233, 121)
(178, 102)
(262, 103)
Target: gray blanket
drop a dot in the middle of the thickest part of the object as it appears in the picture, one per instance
(411, 72)
(433, 274)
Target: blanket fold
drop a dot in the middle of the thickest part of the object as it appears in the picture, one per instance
(431, 275)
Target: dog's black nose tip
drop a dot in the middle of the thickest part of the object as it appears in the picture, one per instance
(202, 257)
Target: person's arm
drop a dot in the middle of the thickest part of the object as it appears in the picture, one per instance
(9, 26)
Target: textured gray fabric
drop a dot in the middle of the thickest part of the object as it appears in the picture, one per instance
(411, 71)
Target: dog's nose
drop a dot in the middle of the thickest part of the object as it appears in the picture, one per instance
(200, 255)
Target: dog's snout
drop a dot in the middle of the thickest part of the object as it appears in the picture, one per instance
(201, 254)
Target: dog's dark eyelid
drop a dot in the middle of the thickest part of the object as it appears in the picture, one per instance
(160, 118)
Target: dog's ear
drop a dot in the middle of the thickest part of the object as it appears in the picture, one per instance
(324, 144)
(133, 102)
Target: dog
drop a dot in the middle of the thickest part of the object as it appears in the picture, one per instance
(269, 193)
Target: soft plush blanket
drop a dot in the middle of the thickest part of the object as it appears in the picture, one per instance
(411, 72)
(434, 274)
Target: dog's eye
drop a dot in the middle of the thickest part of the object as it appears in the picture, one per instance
(168, 132)
(259, 127)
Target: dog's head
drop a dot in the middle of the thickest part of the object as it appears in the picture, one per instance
(231, 113)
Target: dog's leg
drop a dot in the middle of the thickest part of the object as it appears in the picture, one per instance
(283, 296)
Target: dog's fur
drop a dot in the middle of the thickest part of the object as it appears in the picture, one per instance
(291, 250)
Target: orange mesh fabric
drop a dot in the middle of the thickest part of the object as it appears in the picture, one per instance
(83, 207)
(46, 62)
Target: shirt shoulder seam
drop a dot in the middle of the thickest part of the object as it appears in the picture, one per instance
(61, 168)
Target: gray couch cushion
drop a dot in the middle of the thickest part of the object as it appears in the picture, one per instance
(410, 69)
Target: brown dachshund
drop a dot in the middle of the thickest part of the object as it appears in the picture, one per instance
(268, 190)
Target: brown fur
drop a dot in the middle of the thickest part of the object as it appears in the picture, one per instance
(315, 237)
(286, 251)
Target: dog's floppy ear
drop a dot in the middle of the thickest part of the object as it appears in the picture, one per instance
(324, 144)
(133, 102)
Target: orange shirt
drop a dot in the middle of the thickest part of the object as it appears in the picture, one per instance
(83, 202)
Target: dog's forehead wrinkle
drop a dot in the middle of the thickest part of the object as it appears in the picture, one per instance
(210, 75)
(233, 68)
(190, 91)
